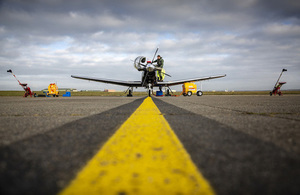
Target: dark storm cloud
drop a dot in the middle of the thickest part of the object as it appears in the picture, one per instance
(205, 37)
(288, 8)
(64, 17)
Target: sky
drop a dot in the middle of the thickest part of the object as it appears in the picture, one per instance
(250, 41)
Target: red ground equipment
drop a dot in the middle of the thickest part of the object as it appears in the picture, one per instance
(276, 89)
(23, 85)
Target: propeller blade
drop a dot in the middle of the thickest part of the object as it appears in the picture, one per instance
(155, 54)
(167, 74)
(158, 68)
(145, 78)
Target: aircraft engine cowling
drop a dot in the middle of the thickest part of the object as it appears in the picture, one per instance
(139, 62)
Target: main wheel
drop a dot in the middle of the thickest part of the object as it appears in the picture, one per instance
(129, 93)
(189, 93)
(168, 93)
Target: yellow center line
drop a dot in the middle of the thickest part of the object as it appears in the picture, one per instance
(144, 156)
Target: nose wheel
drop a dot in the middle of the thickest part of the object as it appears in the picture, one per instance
(149, 89)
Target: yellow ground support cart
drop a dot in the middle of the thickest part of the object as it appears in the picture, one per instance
(190, 88)
(53, 90)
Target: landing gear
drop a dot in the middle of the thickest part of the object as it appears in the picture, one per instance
(160, 88)
(150, 88)
(129, 93)
(168, 92)
(130, 89)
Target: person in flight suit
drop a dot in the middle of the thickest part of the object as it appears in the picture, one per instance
(160, 64)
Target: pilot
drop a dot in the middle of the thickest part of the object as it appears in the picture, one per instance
(160, 64)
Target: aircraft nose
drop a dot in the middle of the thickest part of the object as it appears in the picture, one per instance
(150, 68)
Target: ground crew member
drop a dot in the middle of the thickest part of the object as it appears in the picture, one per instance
(160, 64)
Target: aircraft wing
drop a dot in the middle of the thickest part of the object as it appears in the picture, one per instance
(111, 81)
(171, 83)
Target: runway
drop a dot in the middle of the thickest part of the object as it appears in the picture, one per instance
(239, 144)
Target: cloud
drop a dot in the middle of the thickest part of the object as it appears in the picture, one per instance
(249, 40)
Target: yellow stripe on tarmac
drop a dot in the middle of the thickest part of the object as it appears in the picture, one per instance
(143, 157)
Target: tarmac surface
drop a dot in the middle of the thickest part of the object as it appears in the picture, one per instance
(241, 144)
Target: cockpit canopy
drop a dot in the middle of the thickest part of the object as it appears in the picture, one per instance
(139, 62)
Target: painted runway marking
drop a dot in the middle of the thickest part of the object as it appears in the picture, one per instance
(143, 157)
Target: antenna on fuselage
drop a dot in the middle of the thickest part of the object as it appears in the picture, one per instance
(155, 54)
